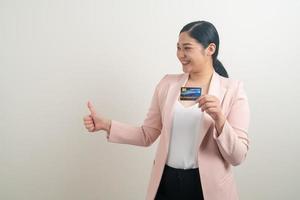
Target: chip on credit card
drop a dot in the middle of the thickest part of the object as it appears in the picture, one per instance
(190, 93)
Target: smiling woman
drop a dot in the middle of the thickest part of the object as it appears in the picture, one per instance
(189, 172)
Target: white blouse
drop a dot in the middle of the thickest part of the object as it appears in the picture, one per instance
(184, 137)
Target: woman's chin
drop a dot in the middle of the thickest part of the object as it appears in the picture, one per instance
(186, 69)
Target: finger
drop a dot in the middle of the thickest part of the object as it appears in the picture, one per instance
(211, 111)
(209, 105)
(90, 119)
(91, 108)
(91, 129)
(88, 123)
(89, 126)
(206, 99)
(205, 107)
(201, 97)
(86, 118)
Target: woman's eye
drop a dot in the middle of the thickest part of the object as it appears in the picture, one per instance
(184, 48)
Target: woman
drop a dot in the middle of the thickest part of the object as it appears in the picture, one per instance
(200, 140)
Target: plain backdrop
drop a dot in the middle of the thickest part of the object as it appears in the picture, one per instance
(56, 55)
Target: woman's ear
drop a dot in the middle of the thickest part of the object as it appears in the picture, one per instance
(210, 49)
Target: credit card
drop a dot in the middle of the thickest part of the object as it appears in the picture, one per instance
(190, 93)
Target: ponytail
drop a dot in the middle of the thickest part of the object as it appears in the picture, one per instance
(219, 68)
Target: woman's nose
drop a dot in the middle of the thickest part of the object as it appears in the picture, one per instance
(180, 54)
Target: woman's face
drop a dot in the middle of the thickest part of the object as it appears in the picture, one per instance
(192, 54)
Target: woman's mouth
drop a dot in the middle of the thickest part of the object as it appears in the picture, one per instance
(185, 62)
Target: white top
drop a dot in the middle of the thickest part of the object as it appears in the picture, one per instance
(184, 137)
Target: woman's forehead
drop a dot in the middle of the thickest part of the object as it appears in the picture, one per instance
(185, 39)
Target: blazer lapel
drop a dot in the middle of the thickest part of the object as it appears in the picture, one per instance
(215, 89)
(206, 121)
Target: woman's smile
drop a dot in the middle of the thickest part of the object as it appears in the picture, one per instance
(185, 62)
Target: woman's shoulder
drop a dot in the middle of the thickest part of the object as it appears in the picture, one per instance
(235, 86)
(168, 79)
(230, 83)
(171, 77)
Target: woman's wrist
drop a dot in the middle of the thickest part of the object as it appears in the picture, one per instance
(107, 125)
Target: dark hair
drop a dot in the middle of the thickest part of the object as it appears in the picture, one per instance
(205, 33)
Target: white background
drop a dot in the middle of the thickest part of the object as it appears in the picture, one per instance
(56, 55)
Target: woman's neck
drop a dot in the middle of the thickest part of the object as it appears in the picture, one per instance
(201, 77)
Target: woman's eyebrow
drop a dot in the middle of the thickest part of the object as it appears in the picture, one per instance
(185, 44)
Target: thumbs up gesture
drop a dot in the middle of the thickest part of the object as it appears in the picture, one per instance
(94, 122)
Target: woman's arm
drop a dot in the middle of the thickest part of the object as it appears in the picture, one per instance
(143, 135)
(233, 139)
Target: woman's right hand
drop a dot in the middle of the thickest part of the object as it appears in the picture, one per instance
(94, 122)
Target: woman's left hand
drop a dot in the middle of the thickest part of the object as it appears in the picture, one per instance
(211, 105)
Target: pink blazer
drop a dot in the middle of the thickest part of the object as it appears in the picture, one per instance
(216, 154)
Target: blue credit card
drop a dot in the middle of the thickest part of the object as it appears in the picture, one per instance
(190, 93)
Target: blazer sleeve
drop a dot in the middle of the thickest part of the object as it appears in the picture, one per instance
(143, 135)
(233, 140)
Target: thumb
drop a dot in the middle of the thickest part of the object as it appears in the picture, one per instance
(91, 108)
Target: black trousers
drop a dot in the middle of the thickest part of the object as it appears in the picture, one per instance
(179, 184)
